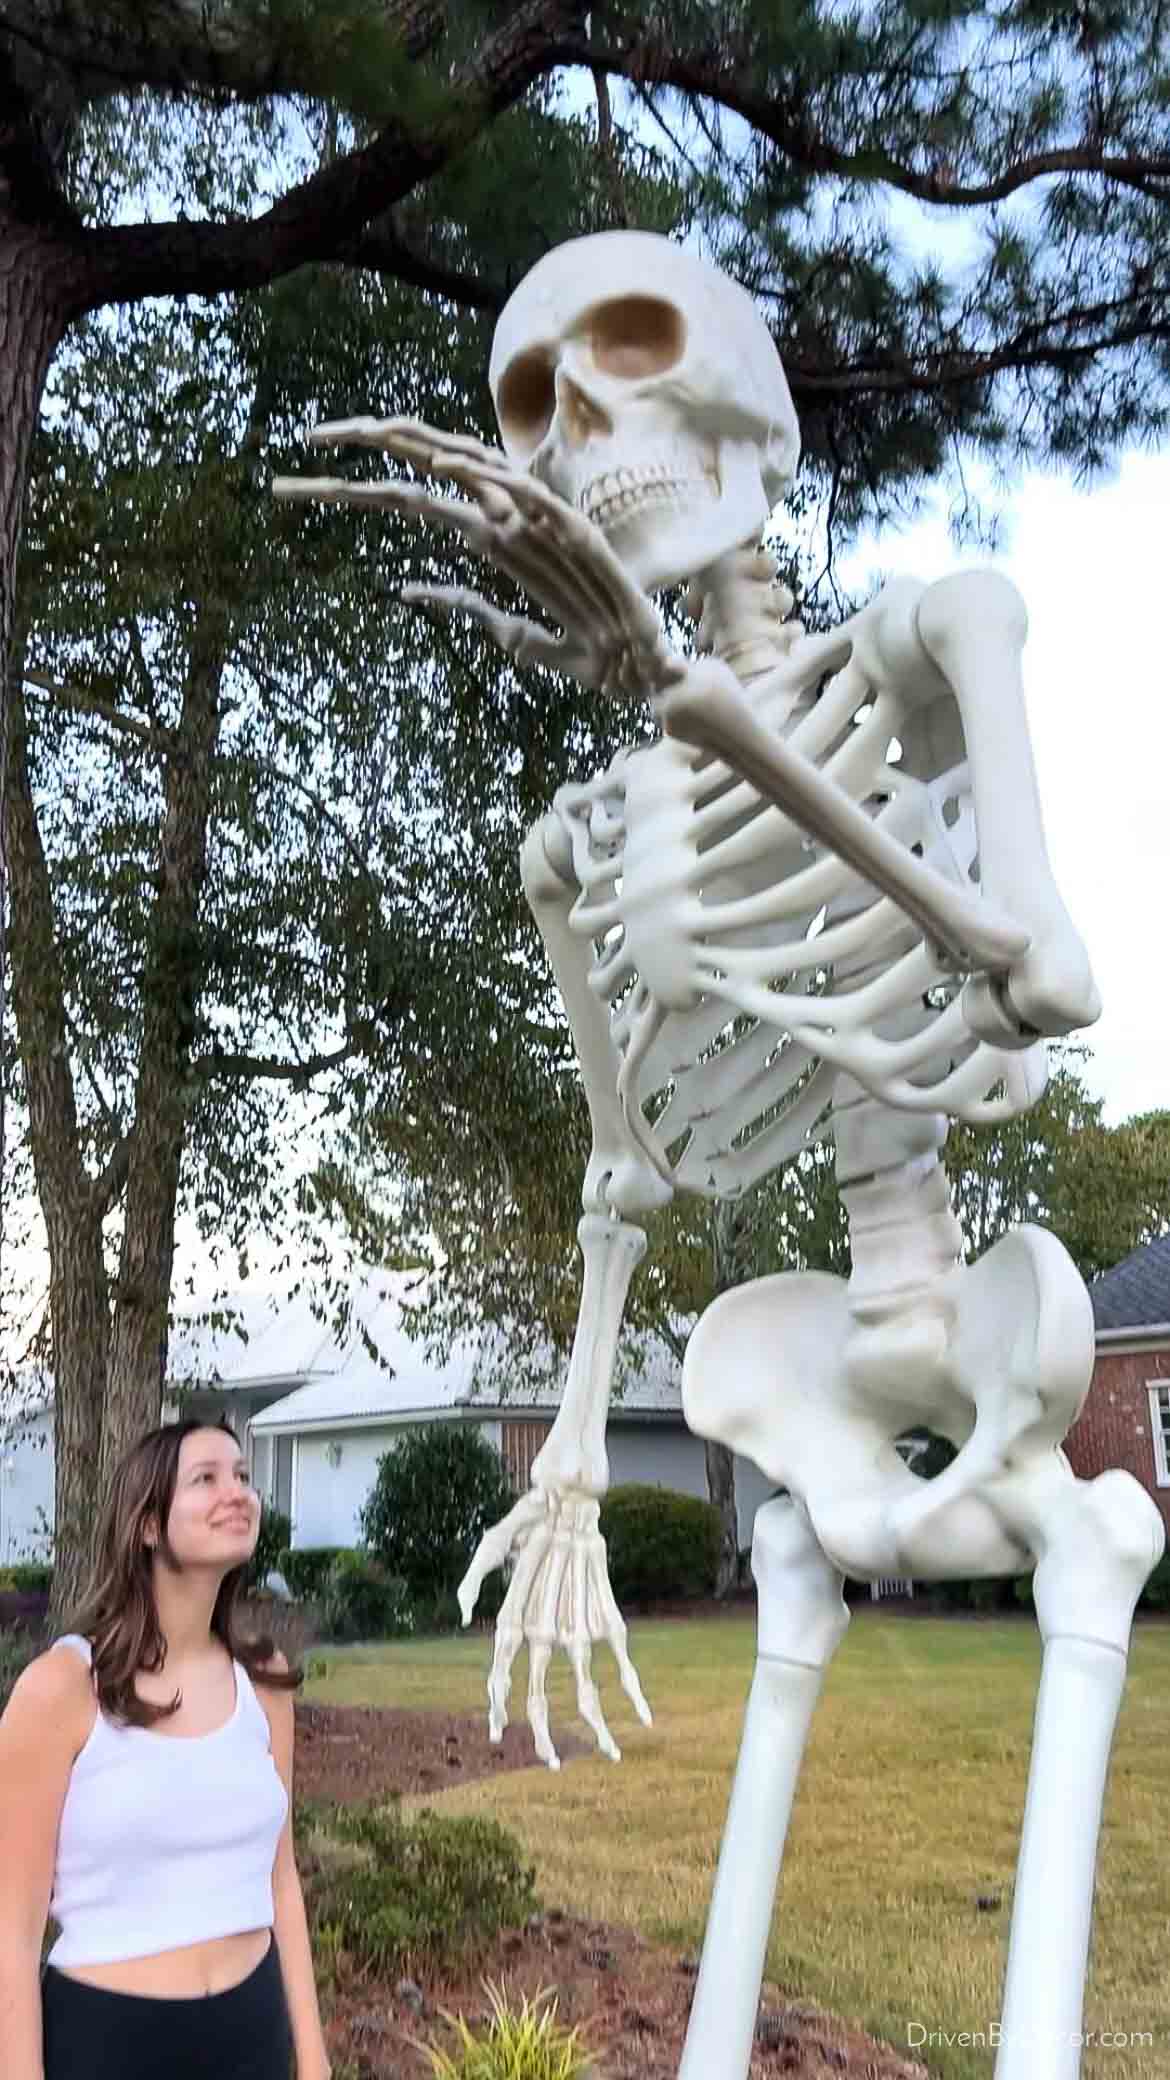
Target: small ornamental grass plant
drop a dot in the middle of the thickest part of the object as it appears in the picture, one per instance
(525, 2043)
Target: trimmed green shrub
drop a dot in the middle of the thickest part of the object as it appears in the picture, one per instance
(27, 1577)
(436, 1493)
(660, 1544)
(363, 1600)
(305, 1569)
(387, 1895)
(275, 1532)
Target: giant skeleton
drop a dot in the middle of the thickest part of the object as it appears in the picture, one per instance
(819, 902)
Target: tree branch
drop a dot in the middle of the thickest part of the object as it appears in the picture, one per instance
(712, 79)
(157, 741)
(319, 218)
(381, 250)
(106, 1190)
(250, 1066)
(1028, 349)
(180, 46)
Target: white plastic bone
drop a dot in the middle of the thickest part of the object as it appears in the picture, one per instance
(820, 903)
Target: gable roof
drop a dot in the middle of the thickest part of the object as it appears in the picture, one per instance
(369, 1368)
(1135, 1293)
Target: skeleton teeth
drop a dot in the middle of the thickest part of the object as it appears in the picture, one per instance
(613, 497)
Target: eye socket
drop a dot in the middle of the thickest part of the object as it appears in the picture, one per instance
(634, 336)
(527, 399)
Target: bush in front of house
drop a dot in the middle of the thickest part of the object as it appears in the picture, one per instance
(306, 1568)
(275, 1532)
(28, 1577)
(660, 1544)
(361, 1599)
(1155, 1595)
(387, 1895)
(436, 1493)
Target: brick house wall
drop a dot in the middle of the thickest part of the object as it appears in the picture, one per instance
(1116, 1427)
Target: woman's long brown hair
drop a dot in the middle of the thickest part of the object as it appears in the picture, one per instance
(117, 1611)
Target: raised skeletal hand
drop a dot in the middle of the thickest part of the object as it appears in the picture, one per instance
(610, 639)
(559, 1596)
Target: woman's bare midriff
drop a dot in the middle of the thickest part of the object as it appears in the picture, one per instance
(178, 1975)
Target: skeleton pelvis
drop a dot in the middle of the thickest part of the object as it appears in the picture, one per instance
(998, 1357)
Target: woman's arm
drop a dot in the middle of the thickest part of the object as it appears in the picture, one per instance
(290, 1926)
(40, 1733)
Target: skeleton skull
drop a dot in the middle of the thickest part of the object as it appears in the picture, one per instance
(642, 385)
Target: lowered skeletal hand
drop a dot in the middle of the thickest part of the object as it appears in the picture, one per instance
(611, 638)
(559, 1596)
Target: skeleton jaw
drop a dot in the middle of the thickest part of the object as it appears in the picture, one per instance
(673, 511)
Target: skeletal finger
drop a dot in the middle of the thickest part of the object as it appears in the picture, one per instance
(495, 1546)
(580, 1653)
(411, 440)
(388, 493)
(560, 545)
(589, 1700)
(613, 1628)
(576, 538)
(509, 1634)
(522, 639)
(556, 540)
(539, 1652)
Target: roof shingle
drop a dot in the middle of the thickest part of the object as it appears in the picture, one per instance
(1136, 1292)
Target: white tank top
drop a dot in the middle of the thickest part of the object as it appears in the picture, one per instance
(166, 1839)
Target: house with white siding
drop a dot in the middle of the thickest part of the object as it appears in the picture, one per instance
(317, 1406)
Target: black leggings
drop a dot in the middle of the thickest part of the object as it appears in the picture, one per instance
(92, 2034)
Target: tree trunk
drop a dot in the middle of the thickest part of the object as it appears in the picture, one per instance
(721, 1491)
(78, 1296)
(31, 325)
(172, 984)
(727, 1235)
(80, 1309)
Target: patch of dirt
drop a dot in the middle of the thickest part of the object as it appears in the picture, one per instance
(631, 1998)
(352, 1754)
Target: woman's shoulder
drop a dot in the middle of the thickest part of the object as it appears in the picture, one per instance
(58, 1688)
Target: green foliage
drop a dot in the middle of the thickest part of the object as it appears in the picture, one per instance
(1156, 1594)
(16, 1651)
(388, 1895)
(27, 1576)
(363, 1600)
(983, 1596)
(436, 1493)
(1103, 1190)
(525, 2043)
(275, 1532)
(659, 1544)
(305, 1568)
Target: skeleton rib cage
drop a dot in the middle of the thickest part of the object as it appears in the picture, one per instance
(744, 966)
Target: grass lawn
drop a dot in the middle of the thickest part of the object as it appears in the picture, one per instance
(909, 1809)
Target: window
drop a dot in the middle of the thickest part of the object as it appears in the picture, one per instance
(519, 1444)
(1160, 1424)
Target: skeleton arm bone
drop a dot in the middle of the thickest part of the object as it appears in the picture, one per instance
(973, 627)
(560, 1593)
(710, 710)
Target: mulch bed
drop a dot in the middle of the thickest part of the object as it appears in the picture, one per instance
(630, 1997)
(348, 1754)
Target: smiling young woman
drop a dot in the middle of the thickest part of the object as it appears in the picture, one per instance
(146, 1803)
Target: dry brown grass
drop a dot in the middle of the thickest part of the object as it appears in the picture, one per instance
(908, 1813)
